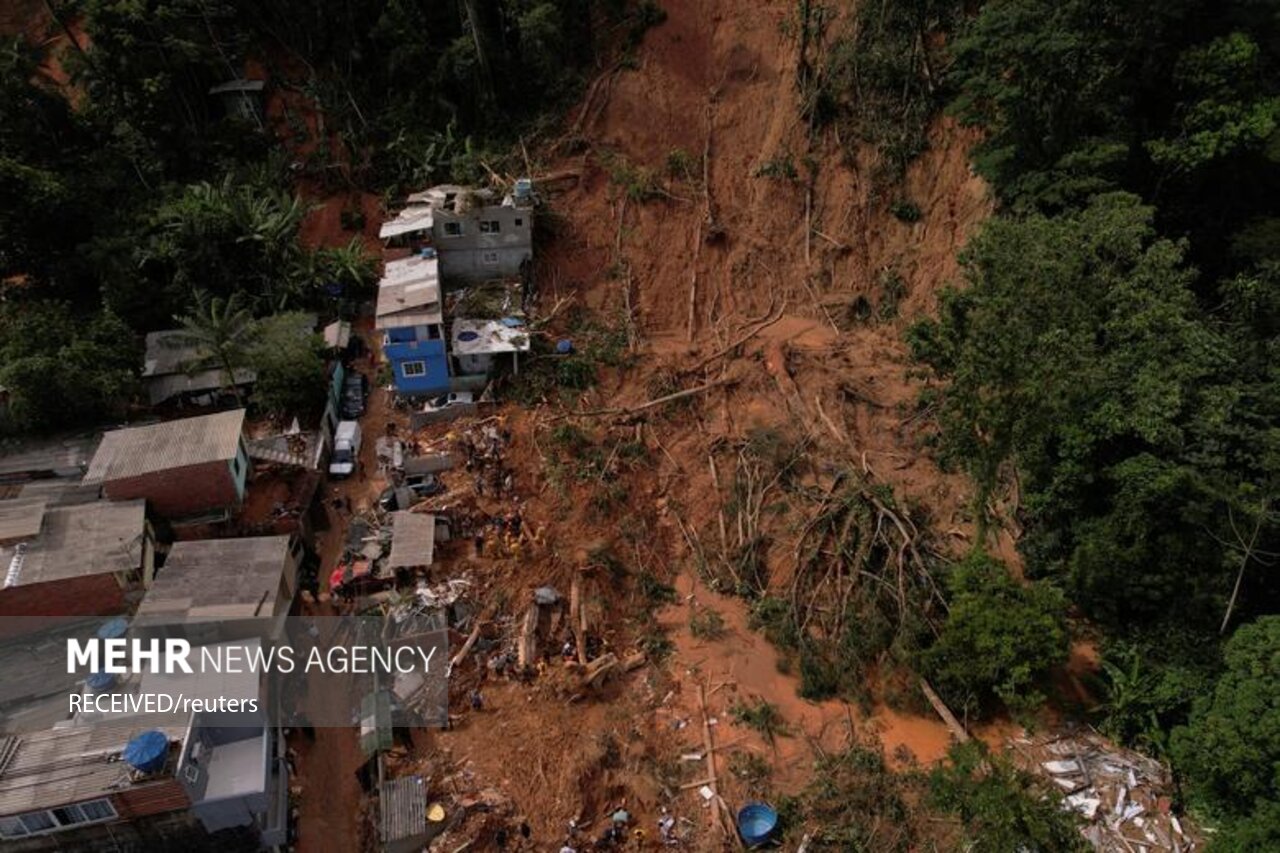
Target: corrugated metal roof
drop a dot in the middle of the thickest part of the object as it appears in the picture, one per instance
(217, 579)
(413, 539)
(402, 807)
(88, 539)
(20, 518)
(142, 450)
(71, 764)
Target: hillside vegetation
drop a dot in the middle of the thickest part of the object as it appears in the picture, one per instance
(1109, 361)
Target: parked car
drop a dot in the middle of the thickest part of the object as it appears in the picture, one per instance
(346, 449)
(444, 401)
(414, 491)
(355, 394)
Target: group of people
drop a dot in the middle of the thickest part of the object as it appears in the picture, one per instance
(483, 455)
(501, 533)
(618, 832)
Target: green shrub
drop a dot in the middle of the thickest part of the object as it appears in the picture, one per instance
(1000, 638)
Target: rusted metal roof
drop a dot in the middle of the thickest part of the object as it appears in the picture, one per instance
(135, 451)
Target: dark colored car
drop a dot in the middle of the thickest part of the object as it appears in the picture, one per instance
(412, 492)
(355, 394)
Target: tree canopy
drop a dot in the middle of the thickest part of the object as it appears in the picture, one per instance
(1229, 751)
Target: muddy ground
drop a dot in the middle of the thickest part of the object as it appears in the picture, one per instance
(708, 80)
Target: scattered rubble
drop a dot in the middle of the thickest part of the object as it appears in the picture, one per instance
(1123, 796)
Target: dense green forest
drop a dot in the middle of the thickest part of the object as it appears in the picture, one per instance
(1112, 355)
(132, 199)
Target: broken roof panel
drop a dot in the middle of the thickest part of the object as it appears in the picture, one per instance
(239, 85)
(135, 451)
(418, 217)
(89, 539)
(482, 337)
(162, 388)
(217, 579)
(413, 539)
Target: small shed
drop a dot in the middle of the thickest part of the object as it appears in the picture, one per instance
(476, 342)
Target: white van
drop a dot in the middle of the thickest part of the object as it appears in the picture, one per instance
(346, 449)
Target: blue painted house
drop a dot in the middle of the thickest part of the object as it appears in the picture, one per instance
(411, 318)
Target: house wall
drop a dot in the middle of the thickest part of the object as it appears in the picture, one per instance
(171, 832)
(142, 800)
(67, 600)
(434, 379)
(478, 255)
(239, 467)
(179, 492)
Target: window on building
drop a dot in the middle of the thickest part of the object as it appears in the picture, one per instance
(53, 820)
(519, 222)
(490, 258)
(39, 822)
(453, 229)
(413, 368)
(98, 810)
(433, 333)
(11, 827)
(490, 226)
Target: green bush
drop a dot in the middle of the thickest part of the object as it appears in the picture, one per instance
(1229, 750)
(1000, 639)
(1001, 808)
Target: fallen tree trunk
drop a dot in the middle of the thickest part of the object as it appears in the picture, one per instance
(527, 646)
(466, 647)
(957, 730)
(635, 410)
